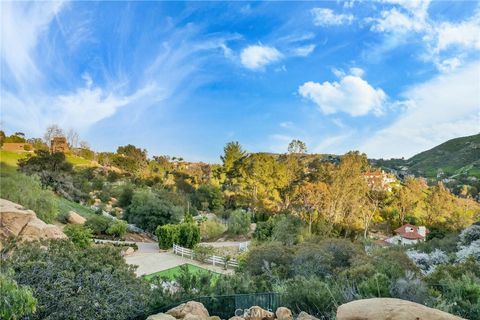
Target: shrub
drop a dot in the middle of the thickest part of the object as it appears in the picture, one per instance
(239, 222)
(98, 224)
(287, 229)
(211, 229)
(272, 256)
(148, 210)
(90, 283)
(264, 230)
(312, 259)
(118, 228)
(16, 301)
(28, 192)
(410, 288)
(376, 286)
(203, 252)
(470, 235)
(80, 235)
(168, 235)
(427, 262)
(472, 250)
(189, 235)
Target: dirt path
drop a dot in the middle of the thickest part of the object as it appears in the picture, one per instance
(149, 259)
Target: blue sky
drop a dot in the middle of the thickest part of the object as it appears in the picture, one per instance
(390, 78)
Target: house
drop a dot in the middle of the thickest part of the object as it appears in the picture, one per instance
(408, 234)
(379, 180)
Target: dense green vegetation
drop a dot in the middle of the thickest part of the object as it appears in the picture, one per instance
(175, 272)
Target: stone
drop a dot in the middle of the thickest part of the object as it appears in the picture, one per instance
(283, 313)
(214, 318)
(128, 251)
(161, 316)
(75, 218)
(305, 316)
(16, 221)
(389, 308)
(236, 318)
(191, 307)
(257, 313)
(190, 316)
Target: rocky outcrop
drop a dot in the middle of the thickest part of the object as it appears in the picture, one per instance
(16, 221)
(191, 309)
(389, 308)
(305, 316)
(75, 218)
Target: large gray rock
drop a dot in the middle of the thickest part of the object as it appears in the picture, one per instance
(391, 309)
(161, 316)
(16, 221)
(191, 308)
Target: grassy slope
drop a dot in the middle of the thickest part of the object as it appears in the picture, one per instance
(172, 272)
(8, 166)
(460, 155)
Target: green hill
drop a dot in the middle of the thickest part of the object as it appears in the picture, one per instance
(456, 156)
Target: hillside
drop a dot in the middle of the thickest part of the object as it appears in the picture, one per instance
(453, 158)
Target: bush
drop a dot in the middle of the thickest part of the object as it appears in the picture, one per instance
(312, 259)
(168, 235)
(211, 230)
(189, 235)
(287, 229)
(148, 210)
(264, 230)
(184, 234)
(98, 224)
(410, 288)
(90, 283)
(16, 301)
(376, 286)
(239, 222)
(203, 252)
(118, 228)
(267, 257)
(28, 192)
(470, 235)
(80, 235)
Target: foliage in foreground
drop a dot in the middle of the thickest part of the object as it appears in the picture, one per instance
(73, 283)
(16, 301)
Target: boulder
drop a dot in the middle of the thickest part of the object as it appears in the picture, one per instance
(16, 221)
(236, 318)
(305, 316)
(161, 316)
(257, 313)
(75, 218)
(389, 308)
(192, 308)
(283, 313)
(128, 251)
(214, 318)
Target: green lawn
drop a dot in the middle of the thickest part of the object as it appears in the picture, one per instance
(11, 158)
(172, 272)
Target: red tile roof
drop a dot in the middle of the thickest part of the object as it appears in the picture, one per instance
(410, 234)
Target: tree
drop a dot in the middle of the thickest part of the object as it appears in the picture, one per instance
(408, 197)
(51, 132)
(311, 199)
(79, 283)
(233, 152)
(239, 222)
(297, 146)
(72, 138)
(78, 234)
(148, 210)
(16, 301)
(208, 197)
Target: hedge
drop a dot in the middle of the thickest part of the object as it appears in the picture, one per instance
(184, 234)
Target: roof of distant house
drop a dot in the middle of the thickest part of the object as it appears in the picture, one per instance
(402, 232)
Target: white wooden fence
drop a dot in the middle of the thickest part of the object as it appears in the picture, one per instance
(214, 260)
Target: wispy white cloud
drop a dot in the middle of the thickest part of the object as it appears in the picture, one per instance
(256, 57)
(327, 17)
(352, 95)
(442, 108)
(303, 51)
